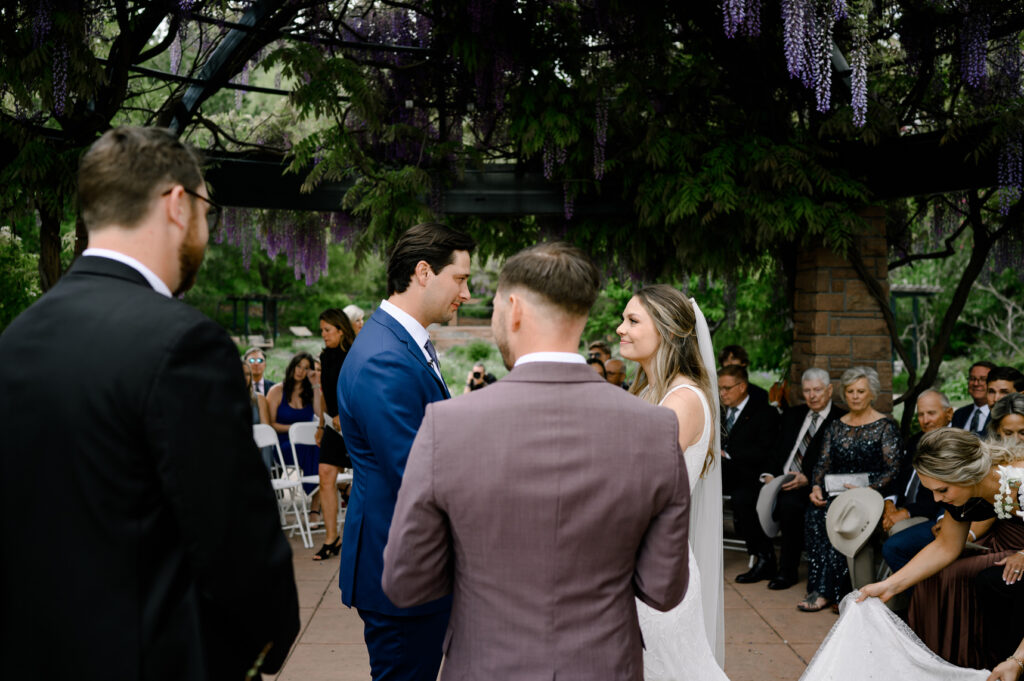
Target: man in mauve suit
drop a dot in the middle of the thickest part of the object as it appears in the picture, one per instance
(389, 377)
(797, 452)
(543, 527)
(141, 533)
(749, 429)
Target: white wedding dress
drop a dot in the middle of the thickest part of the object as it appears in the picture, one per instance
(687, 642)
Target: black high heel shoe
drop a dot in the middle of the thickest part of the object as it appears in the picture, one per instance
(328, 550)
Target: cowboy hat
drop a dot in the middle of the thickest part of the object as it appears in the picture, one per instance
(852, 518)
(766, 504)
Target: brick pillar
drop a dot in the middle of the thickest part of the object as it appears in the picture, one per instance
(837, 324)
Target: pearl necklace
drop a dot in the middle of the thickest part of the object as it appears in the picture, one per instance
(1003, 502)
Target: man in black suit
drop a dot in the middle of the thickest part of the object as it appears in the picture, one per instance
(749, 430)
(914, 499)
(974, 417)
(796, 452)
(141, 532)
(736, 355)
(258, 364)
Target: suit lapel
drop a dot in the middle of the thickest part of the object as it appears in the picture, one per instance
(410, 345)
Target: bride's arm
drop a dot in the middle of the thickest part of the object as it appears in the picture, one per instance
(689, 412)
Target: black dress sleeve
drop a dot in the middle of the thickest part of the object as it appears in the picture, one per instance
(891, 454)
(825, 458)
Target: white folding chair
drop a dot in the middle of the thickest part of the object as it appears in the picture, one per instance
(290, 497)
(304, 433)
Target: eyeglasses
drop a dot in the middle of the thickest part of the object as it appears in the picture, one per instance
(256, 360)
(727, 388)
(212, 214)
(977, 379)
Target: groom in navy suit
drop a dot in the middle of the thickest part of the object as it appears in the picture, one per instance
(390, 376)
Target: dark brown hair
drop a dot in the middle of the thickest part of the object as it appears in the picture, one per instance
(431, 242)
(126, 168)
(339, 320)
(306, 394)
(736, 371)
(559, 272)
(736, 352)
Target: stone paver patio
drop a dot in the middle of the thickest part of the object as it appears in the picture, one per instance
(766, 638)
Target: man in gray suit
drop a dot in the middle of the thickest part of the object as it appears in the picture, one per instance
(547, 533)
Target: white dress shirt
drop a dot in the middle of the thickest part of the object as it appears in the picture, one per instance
(562, 357)
(415, 329)
(156, 282)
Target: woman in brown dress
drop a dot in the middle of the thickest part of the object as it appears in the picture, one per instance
(968, 477)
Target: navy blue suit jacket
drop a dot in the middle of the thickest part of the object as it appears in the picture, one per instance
(961, 415)
(383, 391)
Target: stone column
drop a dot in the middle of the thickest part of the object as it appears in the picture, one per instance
(836, 322)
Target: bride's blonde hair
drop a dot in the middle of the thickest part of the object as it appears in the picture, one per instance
(677, 352)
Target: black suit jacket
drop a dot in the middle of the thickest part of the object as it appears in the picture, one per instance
(961, 415)
(141, 534)
(923, 503)
(751, 443)
(792, 420)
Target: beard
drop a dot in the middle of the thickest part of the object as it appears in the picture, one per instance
(501, 339)
(190, 256)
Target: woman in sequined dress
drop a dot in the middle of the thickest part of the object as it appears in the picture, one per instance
(969, 477)
(861, 441)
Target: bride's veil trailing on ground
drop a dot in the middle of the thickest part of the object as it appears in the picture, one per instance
(706, 510)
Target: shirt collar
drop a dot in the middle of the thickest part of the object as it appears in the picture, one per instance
(739, 407)
(156, 282)
(823, 414)
(408, 322)
(562, 357)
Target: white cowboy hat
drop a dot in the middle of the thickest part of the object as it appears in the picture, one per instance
(852, 518)
(766, 504)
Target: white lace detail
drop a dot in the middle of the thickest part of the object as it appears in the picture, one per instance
(870, 642)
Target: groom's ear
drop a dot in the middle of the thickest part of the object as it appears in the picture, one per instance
(515, 311)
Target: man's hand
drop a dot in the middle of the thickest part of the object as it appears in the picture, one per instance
(892, 515)
(799, 480)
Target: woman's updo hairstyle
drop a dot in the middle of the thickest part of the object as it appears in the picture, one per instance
(960, 458)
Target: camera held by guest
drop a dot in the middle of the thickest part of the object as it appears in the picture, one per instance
(478, 378)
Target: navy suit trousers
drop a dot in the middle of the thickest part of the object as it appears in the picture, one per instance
(404, 648)
(901, 547)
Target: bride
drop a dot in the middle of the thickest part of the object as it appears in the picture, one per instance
(667, 335)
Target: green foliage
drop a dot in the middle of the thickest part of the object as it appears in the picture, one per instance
(458, 361)
(606, 315)
(19, 281)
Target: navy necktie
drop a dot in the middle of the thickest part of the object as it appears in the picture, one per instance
(730, 419)
(436, 363)
(974, 420)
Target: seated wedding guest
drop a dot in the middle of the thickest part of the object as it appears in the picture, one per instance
(260, 412)
(1007, 420)
(600, 350)
(615, 372)
(967, 476)
(478, 378)
(735, 355)
(797, 451)
(749, 431)
(1003, 381)
(913, 502)
(257, 361)
(291, 401)
(355, 317)
(862, 441)
(597, 365)
(973, 417)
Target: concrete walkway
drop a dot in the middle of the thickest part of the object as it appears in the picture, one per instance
(766, 638)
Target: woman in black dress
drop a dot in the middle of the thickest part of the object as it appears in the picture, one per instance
(861, 441)
(336, 330)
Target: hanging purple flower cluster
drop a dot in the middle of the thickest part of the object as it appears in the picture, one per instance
(568, 201)
(974, 44)
(859, 69)
(741, 17)
(552, 155)
(42, 22)
(1010, 173)
(600, 136)
(60, 78)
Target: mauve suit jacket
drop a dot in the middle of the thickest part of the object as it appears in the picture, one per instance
(545, 502)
